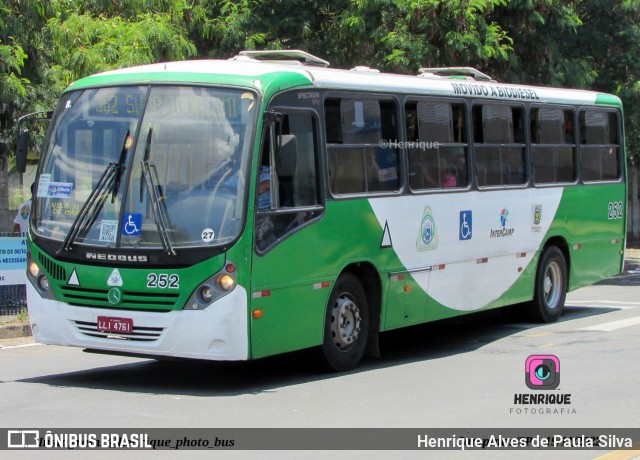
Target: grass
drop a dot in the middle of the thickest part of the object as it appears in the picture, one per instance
(23, 316)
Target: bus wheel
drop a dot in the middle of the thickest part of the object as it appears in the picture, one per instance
(346, 324)
(551, 286)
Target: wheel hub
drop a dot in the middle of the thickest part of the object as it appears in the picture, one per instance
(551, 286)
(345, 322)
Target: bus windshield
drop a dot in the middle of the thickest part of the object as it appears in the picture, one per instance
(153, 167)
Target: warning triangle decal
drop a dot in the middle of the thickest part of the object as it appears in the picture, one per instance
(386, 237)
(73, 279)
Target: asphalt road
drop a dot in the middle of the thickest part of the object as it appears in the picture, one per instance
(456, 373)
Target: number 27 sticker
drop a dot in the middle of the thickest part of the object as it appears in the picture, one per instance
(208, 235)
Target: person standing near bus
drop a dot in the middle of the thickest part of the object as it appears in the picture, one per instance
(21, 220)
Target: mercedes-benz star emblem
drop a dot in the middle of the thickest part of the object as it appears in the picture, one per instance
(114, 295)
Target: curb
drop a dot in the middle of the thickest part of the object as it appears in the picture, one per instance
(12, 331)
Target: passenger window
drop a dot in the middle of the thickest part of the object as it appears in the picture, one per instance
(287, 189)
(599, 146)
(499, 145)
(552, 145)
(361, 137)
(437, 146)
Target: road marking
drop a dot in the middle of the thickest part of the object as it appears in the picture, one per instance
(609, 303)
(19, 346)
(604, 301)
(613, 325)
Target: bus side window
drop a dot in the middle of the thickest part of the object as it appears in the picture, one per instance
(599, 146)
(358, 163)
(552, 145)
(437, 148)
(499, 145)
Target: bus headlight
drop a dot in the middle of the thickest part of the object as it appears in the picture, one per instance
(226, 282)
(207, 294)
(34, 270)
(43, 282)
(38, 278)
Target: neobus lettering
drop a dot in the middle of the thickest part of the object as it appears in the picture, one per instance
(116, 257)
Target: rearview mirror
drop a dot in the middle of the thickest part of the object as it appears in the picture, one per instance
(21, 151)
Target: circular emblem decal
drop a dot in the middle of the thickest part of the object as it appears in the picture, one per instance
(427, 230)
(114, 296)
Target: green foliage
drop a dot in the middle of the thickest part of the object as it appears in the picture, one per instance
(17, 196)
(45, 45)
(104, 43)
(23, 316)
(20, 43)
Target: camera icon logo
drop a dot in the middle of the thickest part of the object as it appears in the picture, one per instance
(542, 372)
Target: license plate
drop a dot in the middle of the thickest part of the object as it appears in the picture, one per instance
(114, 324)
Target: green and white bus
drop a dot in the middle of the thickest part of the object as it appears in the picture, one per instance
(237, 209)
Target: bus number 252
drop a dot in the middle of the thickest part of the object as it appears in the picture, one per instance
(163, 281)
(615, 210)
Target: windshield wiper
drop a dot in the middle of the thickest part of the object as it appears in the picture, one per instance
(145, 159)
(109, 180)
(120, 167)
(150, 181)
(91, 208)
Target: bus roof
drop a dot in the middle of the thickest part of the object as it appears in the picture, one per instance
(272, 76)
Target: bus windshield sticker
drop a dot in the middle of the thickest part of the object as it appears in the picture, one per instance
(114, 278)
(43, 185)
(108, 230)
(208, 235)
(248, 97)
(59, 189)
(132, 224)
(428, 236)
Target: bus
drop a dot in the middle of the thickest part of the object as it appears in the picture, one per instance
(238, 209)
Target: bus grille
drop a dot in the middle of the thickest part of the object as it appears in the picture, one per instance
(56, 271)
(131, 300)
(139, 334)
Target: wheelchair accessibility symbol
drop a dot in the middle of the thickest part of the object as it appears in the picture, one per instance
(132, 224)
(465, 225)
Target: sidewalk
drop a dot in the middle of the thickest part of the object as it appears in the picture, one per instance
(13, 332)
(11, 326)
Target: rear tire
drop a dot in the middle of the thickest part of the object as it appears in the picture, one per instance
(550, 287)
(346, 325)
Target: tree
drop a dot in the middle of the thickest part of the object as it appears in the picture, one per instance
(21, 24)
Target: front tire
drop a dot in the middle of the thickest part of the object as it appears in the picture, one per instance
(346, 324)
(550, 288)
